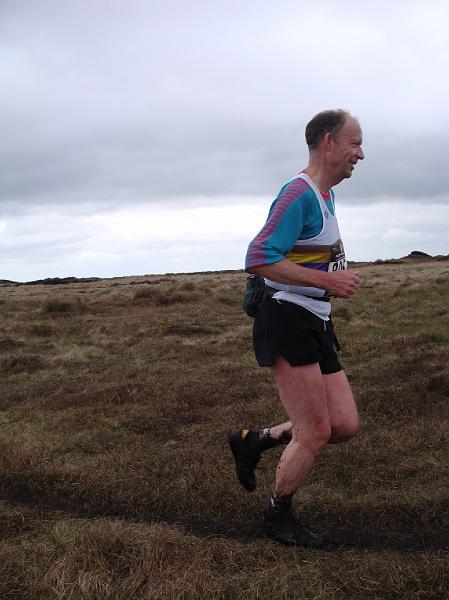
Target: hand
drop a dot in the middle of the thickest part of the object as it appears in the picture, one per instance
(342, 284)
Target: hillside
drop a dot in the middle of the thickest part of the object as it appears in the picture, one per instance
(116, 479)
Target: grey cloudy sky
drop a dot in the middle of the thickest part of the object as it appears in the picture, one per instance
(150, 136)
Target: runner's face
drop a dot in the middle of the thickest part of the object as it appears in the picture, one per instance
(347, 149)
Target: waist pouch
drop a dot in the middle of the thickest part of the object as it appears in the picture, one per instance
(257, 291)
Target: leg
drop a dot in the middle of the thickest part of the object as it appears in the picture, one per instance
(322, 408)
(303, 394)
(344, 422)
(282, 433)
(342, 409)
(341, 406)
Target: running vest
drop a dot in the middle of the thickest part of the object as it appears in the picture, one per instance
(323, 252)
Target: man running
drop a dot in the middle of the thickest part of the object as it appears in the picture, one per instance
(299, 252)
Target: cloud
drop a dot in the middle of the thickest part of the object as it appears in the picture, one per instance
(160, 102)
(393, 228)
(134, 239)
(140, 239)
(165, 105)
(398, 233)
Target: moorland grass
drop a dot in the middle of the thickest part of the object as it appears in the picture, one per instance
(116, 480)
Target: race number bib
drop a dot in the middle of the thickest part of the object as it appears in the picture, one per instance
(338, 259)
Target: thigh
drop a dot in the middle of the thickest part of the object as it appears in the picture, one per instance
(288, 330)
(341, 405)
(303, 395)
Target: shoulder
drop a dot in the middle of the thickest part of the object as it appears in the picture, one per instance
(296, 187)
(294, 192)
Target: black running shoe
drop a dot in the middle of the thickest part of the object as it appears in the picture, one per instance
(246, 457)
(282, 526)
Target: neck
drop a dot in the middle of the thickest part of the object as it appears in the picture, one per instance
(320, 178)
(320, 171)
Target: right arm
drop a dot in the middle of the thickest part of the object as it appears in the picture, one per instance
(267, 251)
(342, 284)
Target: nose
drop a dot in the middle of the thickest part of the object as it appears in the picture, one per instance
(360, 155)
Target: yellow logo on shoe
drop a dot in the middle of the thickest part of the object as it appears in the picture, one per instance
(244, 433)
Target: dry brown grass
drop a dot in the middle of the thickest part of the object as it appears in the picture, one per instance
(116, 482)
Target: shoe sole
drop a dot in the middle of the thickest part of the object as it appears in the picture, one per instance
(235, 442)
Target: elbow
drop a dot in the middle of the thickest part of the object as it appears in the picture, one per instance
(265, 269)
(255, 270)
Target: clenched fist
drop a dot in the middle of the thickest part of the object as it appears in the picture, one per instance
(342, 284)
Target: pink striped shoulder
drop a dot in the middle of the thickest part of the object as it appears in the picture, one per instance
(290, 194)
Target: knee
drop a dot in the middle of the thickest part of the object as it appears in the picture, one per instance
(343, 432)
(315, 438)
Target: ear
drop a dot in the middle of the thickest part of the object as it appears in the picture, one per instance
(328, 141)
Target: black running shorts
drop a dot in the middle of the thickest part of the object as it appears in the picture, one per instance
(285, 329)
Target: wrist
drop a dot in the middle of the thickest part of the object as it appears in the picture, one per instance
(321, 280)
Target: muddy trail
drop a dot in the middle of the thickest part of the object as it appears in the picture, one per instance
(243, 531)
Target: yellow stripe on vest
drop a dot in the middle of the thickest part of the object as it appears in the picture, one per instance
(309, 257)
